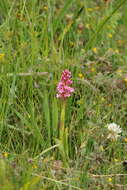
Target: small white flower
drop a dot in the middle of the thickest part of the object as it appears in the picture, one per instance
(114, 127)
(114, 131)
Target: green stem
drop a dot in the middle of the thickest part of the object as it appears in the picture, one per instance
(63, 135)
(62, 120)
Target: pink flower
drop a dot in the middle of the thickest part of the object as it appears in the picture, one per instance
(63, 87)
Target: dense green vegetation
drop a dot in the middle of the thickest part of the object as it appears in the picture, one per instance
(38, 40)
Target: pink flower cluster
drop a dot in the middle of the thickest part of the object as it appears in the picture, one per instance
(63, 87)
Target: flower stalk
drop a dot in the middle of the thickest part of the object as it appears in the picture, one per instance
(64, 90)
(62, 119)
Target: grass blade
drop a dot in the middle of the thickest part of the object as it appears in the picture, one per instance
(102, 24)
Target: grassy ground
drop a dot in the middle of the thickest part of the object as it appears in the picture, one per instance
(38, 40)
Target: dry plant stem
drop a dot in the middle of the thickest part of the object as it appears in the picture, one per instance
(109, 175)
(56, 181)
(45, 151)
(27, 74)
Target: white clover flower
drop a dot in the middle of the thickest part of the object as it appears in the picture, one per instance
(114, 131)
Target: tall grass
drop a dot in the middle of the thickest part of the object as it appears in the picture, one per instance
(38, 40)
